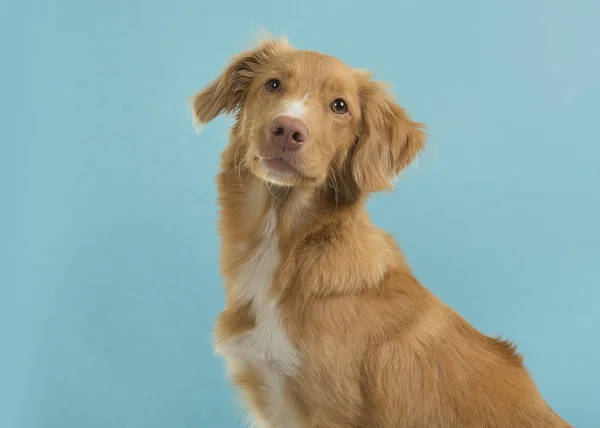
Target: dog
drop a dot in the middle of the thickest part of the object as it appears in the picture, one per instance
(325, 326)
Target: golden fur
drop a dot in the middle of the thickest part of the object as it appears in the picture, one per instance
(325, 325)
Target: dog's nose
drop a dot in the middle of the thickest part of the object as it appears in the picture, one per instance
(288, 133)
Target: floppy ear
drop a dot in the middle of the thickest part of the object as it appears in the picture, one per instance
(227, 93)
(389, 141)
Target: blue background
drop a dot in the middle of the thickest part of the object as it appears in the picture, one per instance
(109, 276)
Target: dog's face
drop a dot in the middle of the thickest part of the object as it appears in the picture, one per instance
(307, 119)
(302, 113)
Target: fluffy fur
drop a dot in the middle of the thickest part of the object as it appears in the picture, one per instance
(325, 325)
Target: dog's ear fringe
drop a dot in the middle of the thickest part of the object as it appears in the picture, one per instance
(390, 140)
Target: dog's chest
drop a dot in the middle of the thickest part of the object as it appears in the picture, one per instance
(265, 348)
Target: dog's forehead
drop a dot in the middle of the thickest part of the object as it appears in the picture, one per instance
(316, 68)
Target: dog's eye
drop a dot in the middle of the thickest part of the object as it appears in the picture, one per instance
(273, 85)
(339, 106)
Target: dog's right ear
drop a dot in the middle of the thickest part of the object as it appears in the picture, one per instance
(227, 93)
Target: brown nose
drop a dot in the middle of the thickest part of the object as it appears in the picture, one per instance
(288, 133)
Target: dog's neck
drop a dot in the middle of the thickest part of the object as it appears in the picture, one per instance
(304, 210)
(340, 236)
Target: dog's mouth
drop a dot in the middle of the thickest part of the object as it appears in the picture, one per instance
(281, 165)
(278, 168)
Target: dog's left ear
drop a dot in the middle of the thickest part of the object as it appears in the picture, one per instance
(227, 93)
(389, 139)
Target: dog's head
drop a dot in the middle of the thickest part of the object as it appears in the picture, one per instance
(307, 119)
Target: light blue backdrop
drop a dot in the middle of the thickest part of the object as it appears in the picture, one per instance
(110, 280)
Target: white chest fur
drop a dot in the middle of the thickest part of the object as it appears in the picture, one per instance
(266, 347)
